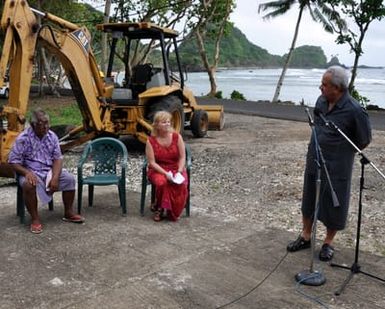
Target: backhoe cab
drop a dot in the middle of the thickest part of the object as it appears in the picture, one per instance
(107, 108)
(148, 79)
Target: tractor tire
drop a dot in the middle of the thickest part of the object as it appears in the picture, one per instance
(199, 123)
(173, 105)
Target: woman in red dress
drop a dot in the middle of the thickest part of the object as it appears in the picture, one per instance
(165, 152)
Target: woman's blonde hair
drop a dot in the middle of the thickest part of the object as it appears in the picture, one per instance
(159, 117)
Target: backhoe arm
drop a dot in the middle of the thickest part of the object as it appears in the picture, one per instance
(19, 25)
(71, 44)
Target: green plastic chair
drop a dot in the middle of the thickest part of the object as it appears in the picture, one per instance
(103, 163)
(146, 182)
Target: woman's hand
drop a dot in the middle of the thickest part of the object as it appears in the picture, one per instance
(169, 176)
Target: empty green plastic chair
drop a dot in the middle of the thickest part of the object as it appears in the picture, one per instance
(146, 182)
(103, 163)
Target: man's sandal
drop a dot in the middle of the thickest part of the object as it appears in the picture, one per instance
(36, 228)
(299, 244)
(326, 253)
(74, 219)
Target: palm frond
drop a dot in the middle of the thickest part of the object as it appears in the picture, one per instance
(275, 13)
(280, 5)
(317, 16)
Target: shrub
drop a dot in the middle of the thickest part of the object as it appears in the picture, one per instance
(361, 99)
(236, 95)
(218, 95)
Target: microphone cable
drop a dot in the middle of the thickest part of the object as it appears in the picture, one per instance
(257, 286)
(298, 289)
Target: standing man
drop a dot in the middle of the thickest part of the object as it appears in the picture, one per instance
(337, 105)
(37, 158)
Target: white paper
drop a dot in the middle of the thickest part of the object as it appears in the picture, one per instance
(177, 178)
(47, 180)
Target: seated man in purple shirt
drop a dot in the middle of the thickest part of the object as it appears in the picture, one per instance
(37, 158)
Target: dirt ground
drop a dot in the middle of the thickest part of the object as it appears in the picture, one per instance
(246, 189)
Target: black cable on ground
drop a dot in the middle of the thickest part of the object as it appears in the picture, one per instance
(258, 285)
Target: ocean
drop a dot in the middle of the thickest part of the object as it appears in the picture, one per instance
(299, 84)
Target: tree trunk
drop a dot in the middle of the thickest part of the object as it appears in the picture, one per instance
(214, 67)
(357, 55)
(288, 58)
(354, 73)
(41, 79)
(213, 83)
(106, 18)
(210, 70)
(48, 73)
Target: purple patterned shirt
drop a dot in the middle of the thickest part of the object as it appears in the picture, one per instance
(34, 153)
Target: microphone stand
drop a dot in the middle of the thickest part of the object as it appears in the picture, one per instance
(355, 268)
(314, 277)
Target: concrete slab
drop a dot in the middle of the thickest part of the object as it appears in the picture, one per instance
(132, 262)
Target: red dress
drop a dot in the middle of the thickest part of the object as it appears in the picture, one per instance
(169, 196)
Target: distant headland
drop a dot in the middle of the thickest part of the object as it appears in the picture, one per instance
(238, 52)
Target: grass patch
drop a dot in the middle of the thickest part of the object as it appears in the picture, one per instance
(69, 115)
(64, 112)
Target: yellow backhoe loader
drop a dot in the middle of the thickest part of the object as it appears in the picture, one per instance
(106, 106)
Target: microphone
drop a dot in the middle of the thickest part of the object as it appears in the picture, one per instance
(319, 113)
(309, 117)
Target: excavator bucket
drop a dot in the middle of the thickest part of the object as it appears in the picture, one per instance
(216, 116)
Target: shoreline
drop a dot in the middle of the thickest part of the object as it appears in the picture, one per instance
(285, 110)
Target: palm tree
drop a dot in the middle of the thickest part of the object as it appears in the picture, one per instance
(319, 11)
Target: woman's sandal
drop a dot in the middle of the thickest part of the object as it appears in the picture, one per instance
(157, 216)
(153, 207)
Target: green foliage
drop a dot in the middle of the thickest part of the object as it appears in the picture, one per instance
(360, 99)
(68, 115)
(360, 14)
(236, 95)
(77, 13)
(236, 50)
(308, 57)
(166, 13)
(319, 11)
(219, 95)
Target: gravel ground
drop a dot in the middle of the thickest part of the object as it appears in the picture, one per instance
(253, 171)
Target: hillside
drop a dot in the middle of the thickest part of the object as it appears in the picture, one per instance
(238, 51)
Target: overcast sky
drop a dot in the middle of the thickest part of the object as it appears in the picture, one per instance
(275, 35)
